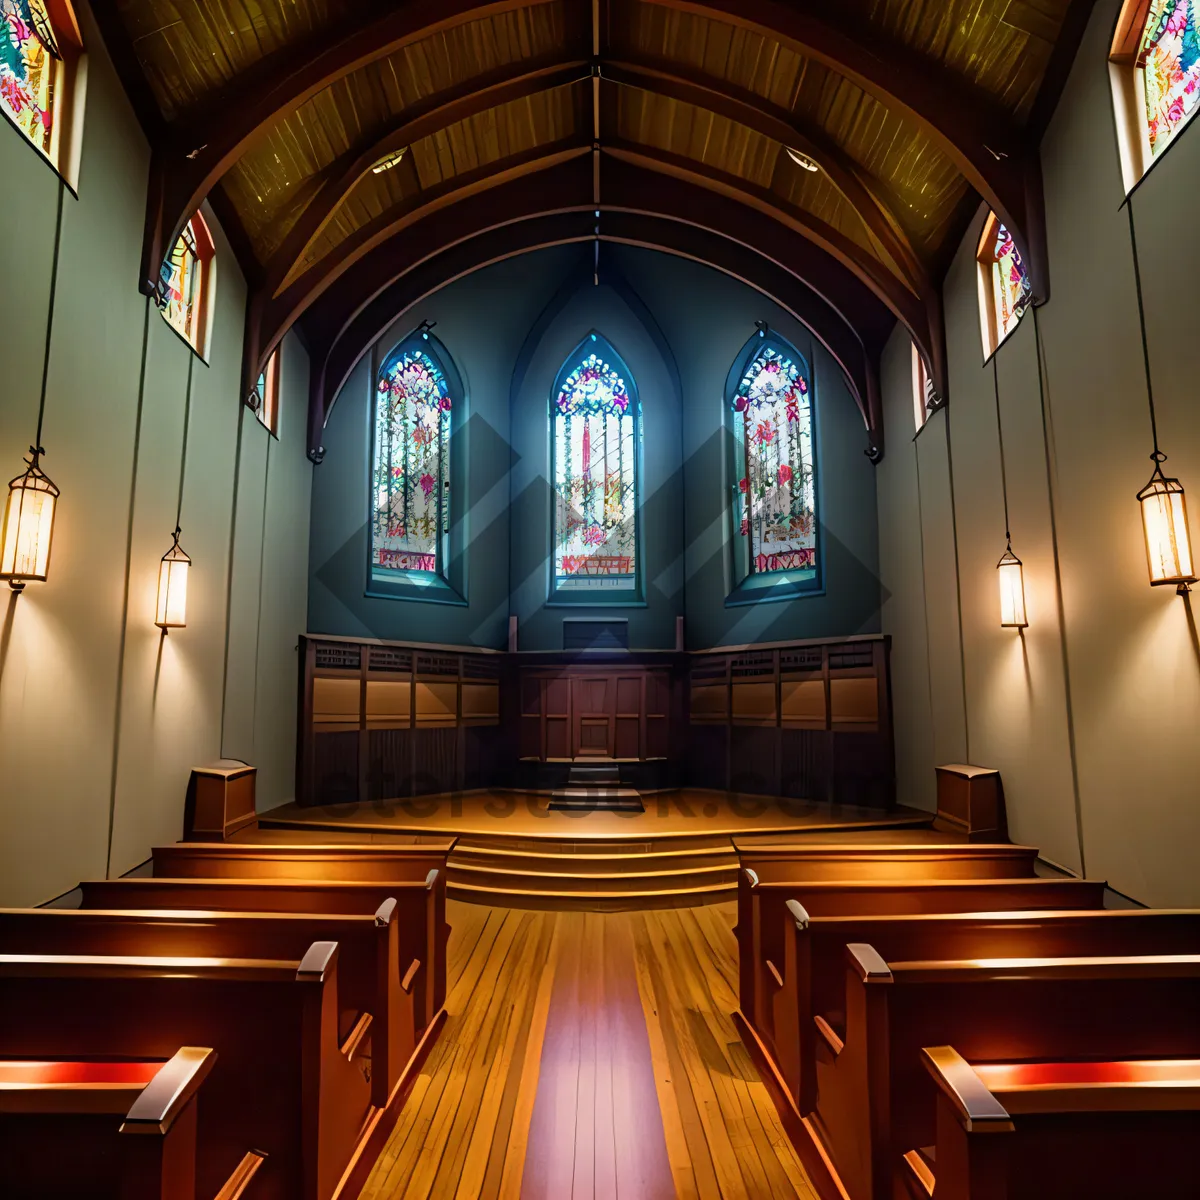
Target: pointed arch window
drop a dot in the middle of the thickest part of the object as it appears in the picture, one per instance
(1155, 61)
(417, 392)
(595, 420)
(185, 284)
(770, 399)
(39, 57)
(1004, 287)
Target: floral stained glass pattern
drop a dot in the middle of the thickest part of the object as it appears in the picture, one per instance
(411, 469)
(1011, 289)
(773, 418)
(1170, 58)
(596, 428)
(28, 54)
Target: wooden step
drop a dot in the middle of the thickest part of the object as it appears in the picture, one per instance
(618, 880)
(635, 843)
(578, 901)
(588, 860)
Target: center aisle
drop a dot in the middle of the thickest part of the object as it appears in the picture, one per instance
(548, 1080)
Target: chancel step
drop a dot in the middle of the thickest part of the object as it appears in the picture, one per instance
(596, 787)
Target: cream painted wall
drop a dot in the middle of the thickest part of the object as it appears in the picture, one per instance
(1091, 714)
(101, 718)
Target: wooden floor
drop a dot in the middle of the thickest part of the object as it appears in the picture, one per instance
(589, 1055)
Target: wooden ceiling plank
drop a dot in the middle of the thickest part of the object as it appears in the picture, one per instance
(442, 109)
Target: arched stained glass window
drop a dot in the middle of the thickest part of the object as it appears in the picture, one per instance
(1004, 288)
(184, 283)
(596, 420)
(410, 494)
(773, 456)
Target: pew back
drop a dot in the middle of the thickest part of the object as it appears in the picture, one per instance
(250, 860)
(281, 1085)
(795, 861)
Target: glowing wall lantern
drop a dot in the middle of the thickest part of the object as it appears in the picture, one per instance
(28, 525)
(1011, 576)
(1164, 521)
(172, 587)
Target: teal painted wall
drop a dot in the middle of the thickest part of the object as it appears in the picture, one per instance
(679, 334)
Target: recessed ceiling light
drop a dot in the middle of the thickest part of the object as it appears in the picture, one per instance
(389, 161)
(801, 160)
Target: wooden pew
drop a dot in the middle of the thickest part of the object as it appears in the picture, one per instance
(813, 990)
(763, 918)
(317, 861)
(374, 987)
(874, 1099)
(1041, 1131)
(422, 931)
(107, 1130)
(282, 1085)
(886, 860)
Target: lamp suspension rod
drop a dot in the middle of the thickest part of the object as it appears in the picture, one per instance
(1137, 278)
(1000, 439)
(58, 222)
(187, 420)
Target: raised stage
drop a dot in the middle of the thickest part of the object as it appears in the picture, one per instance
(514, 850)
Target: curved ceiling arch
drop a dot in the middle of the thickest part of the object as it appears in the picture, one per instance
(337, 349)
(984, 140)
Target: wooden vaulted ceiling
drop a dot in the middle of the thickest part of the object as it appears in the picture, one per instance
(521, 120)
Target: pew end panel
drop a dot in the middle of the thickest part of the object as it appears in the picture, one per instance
(119, 1129)
(1103, 1129)
(874, 1101)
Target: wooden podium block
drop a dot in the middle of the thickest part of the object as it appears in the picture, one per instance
(220, 801)
(970, 802)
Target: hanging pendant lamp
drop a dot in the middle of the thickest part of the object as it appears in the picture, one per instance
(1163, 502)
(171, 609)
(1010, 571)
(32, 498)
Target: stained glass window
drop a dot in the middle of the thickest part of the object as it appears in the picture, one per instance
(265, 400)
(1170, 61)
(183, 279)
(410, 517)
(596, 421)
(772, 419)
(1006, 290)
(30, 76)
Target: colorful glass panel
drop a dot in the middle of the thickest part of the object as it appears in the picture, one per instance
(180, 285)
(27, 69)
(1170, 57)
(773, 418)
(411, 469)
(1010, 283)
(596, 433)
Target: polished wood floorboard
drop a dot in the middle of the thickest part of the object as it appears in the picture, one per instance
(681, 813)
(589, 1055)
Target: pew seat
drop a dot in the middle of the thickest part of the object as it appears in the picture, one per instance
(106, 1129)
(875, 1102)
(316, 861)
(1107, 1130)
(813, 976)
(282, 1085)
(763, 918)
(375, 988)
(422, 932)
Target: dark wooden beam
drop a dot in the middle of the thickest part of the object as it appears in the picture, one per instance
(430, 115)
(200, 147)
(982, 139)
(741, 240)
(857, 187)
(270, 317)
(908, 307)
(335, 362)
